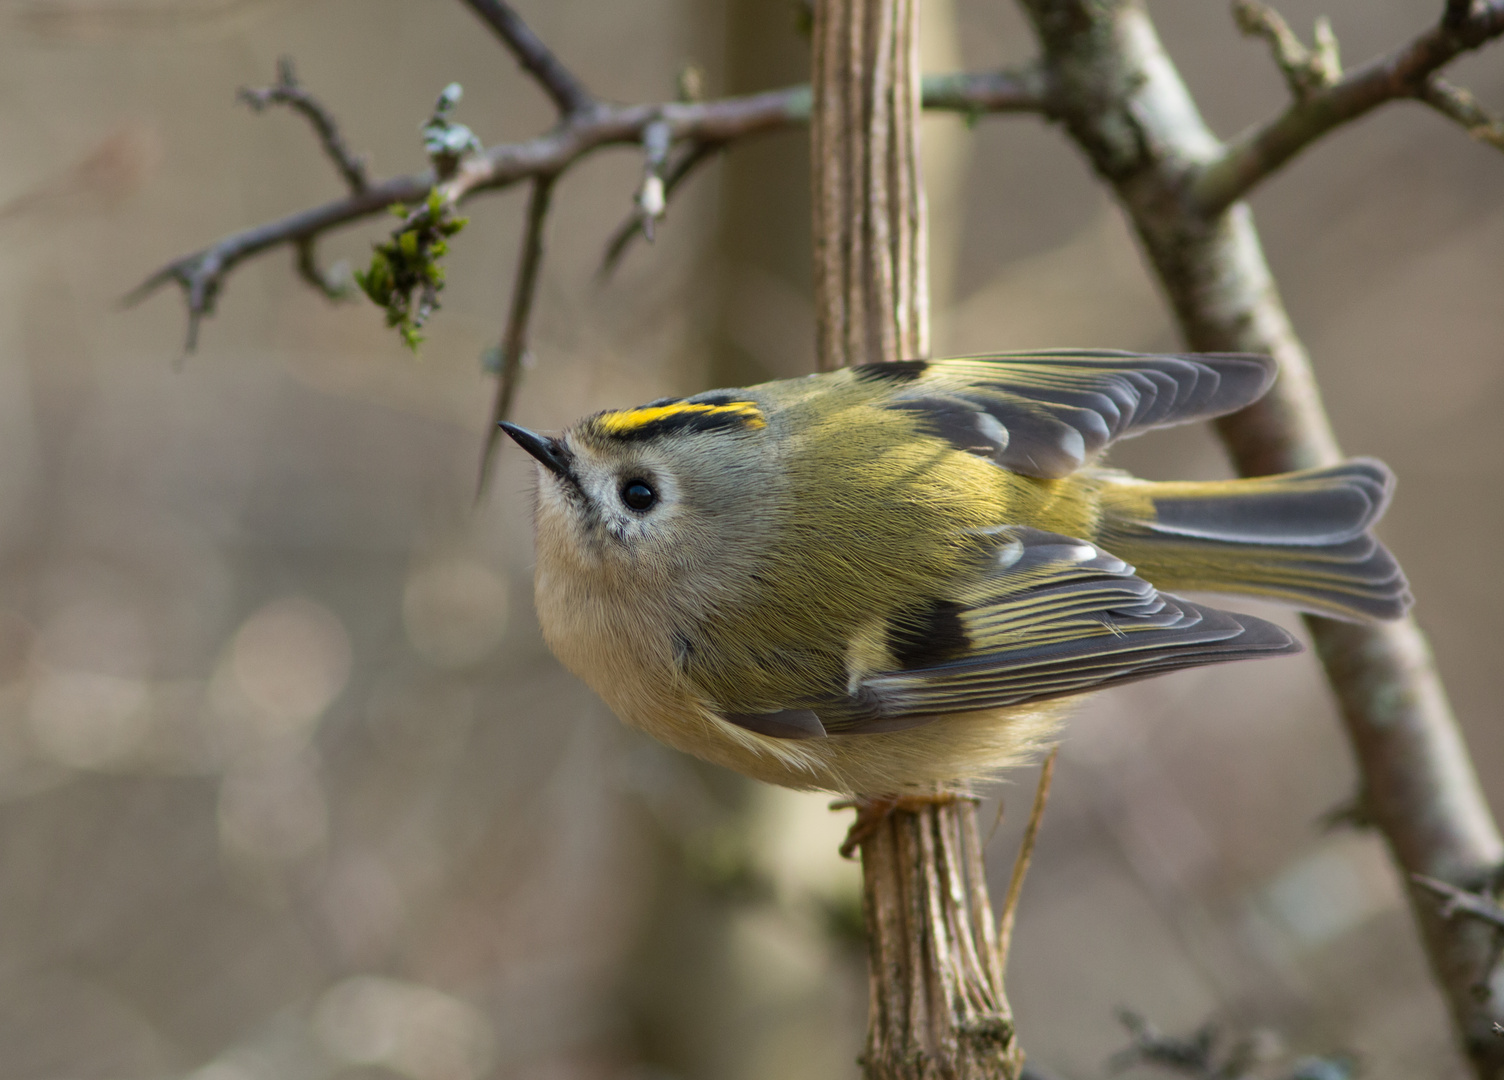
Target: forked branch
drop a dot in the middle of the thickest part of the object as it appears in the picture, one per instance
(1320, 106)
(1454, 901)
(287, 91)
(1419, 785)
(711, 124)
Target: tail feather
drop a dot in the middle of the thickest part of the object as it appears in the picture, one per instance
(1301, 538)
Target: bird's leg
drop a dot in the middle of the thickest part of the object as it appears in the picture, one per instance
(873, 810)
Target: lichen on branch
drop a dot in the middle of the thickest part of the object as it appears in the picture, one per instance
(404, 277)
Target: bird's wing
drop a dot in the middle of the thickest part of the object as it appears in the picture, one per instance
(1048, 413)
(1049, 616)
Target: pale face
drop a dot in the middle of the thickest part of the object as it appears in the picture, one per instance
(640, 515)
(626, 504)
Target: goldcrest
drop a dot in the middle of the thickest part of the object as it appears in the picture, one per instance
(890, 577)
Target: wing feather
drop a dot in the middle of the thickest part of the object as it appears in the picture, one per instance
(1050, 616)
(1052, 412)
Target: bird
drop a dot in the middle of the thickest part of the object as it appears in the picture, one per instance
(896, 578)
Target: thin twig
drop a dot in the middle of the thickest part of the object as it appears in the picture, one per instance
(567, 92)
(514, 339)
(1455, 901)
(1457, 104)
(1192, 1055)
(633, 227)
(1405, 72)
(201, 274)
(288, 91)
(334, 285)
(1306, 70)
(1021, 863)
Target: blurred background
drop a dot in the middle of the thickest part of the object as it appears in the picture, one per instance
(290, 787)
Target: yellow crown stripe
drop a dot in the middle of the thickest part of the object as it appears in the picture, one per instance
(628, 420)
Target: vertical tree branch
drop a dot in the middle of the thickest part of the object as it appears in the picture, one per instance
(871, 281)
(1124, 103)
(937, 1006)
(514, 337)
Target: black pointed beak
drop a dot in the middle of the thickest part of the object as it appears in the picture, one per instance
(548, 451)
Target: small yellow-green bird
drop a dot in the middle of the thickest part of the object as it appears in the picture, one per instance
(886, 579)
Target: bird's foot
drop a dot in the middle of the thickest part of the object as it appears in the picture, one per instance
(873, 810)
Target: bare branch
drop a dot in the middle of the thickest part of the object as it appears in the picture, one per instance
(289, 92)
(1021, 863)
(697, 154)
(1191, 1056)
(568, 93)
(712, 124)
(1455, 901)
(1305, 70)
(1458, 104)
(1456, 13)
(1027, 89)
(514, 338)
(1403, 73)
(202, 273)
(334, 284)
(1420, 788)
(972, 94)
(1206, 1054)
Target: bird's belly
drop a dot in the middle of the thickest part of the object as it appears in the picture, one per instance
(615, 651)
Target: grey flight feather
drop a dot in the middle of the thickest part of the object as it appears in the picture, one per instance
(1047, 414)
(1051, 616)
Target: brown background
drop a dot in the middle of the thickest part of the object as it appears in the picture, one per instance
(289, 786)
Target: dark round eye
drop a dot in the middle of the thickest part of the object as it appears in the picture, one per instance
(638, 495)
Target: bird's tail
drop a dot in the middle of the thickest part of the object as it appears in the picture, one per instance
(1301, 538)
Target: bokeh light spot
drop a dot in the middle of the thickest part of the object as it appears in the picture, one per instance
(291, 659)
(414, 1030)
(455, 611)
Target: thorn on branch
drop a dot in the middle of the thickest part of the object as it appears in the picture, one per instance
(200, 277)
(1458, 104)
(513, 350)
(1455, 901)
(288, 91)
(1306, 70)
